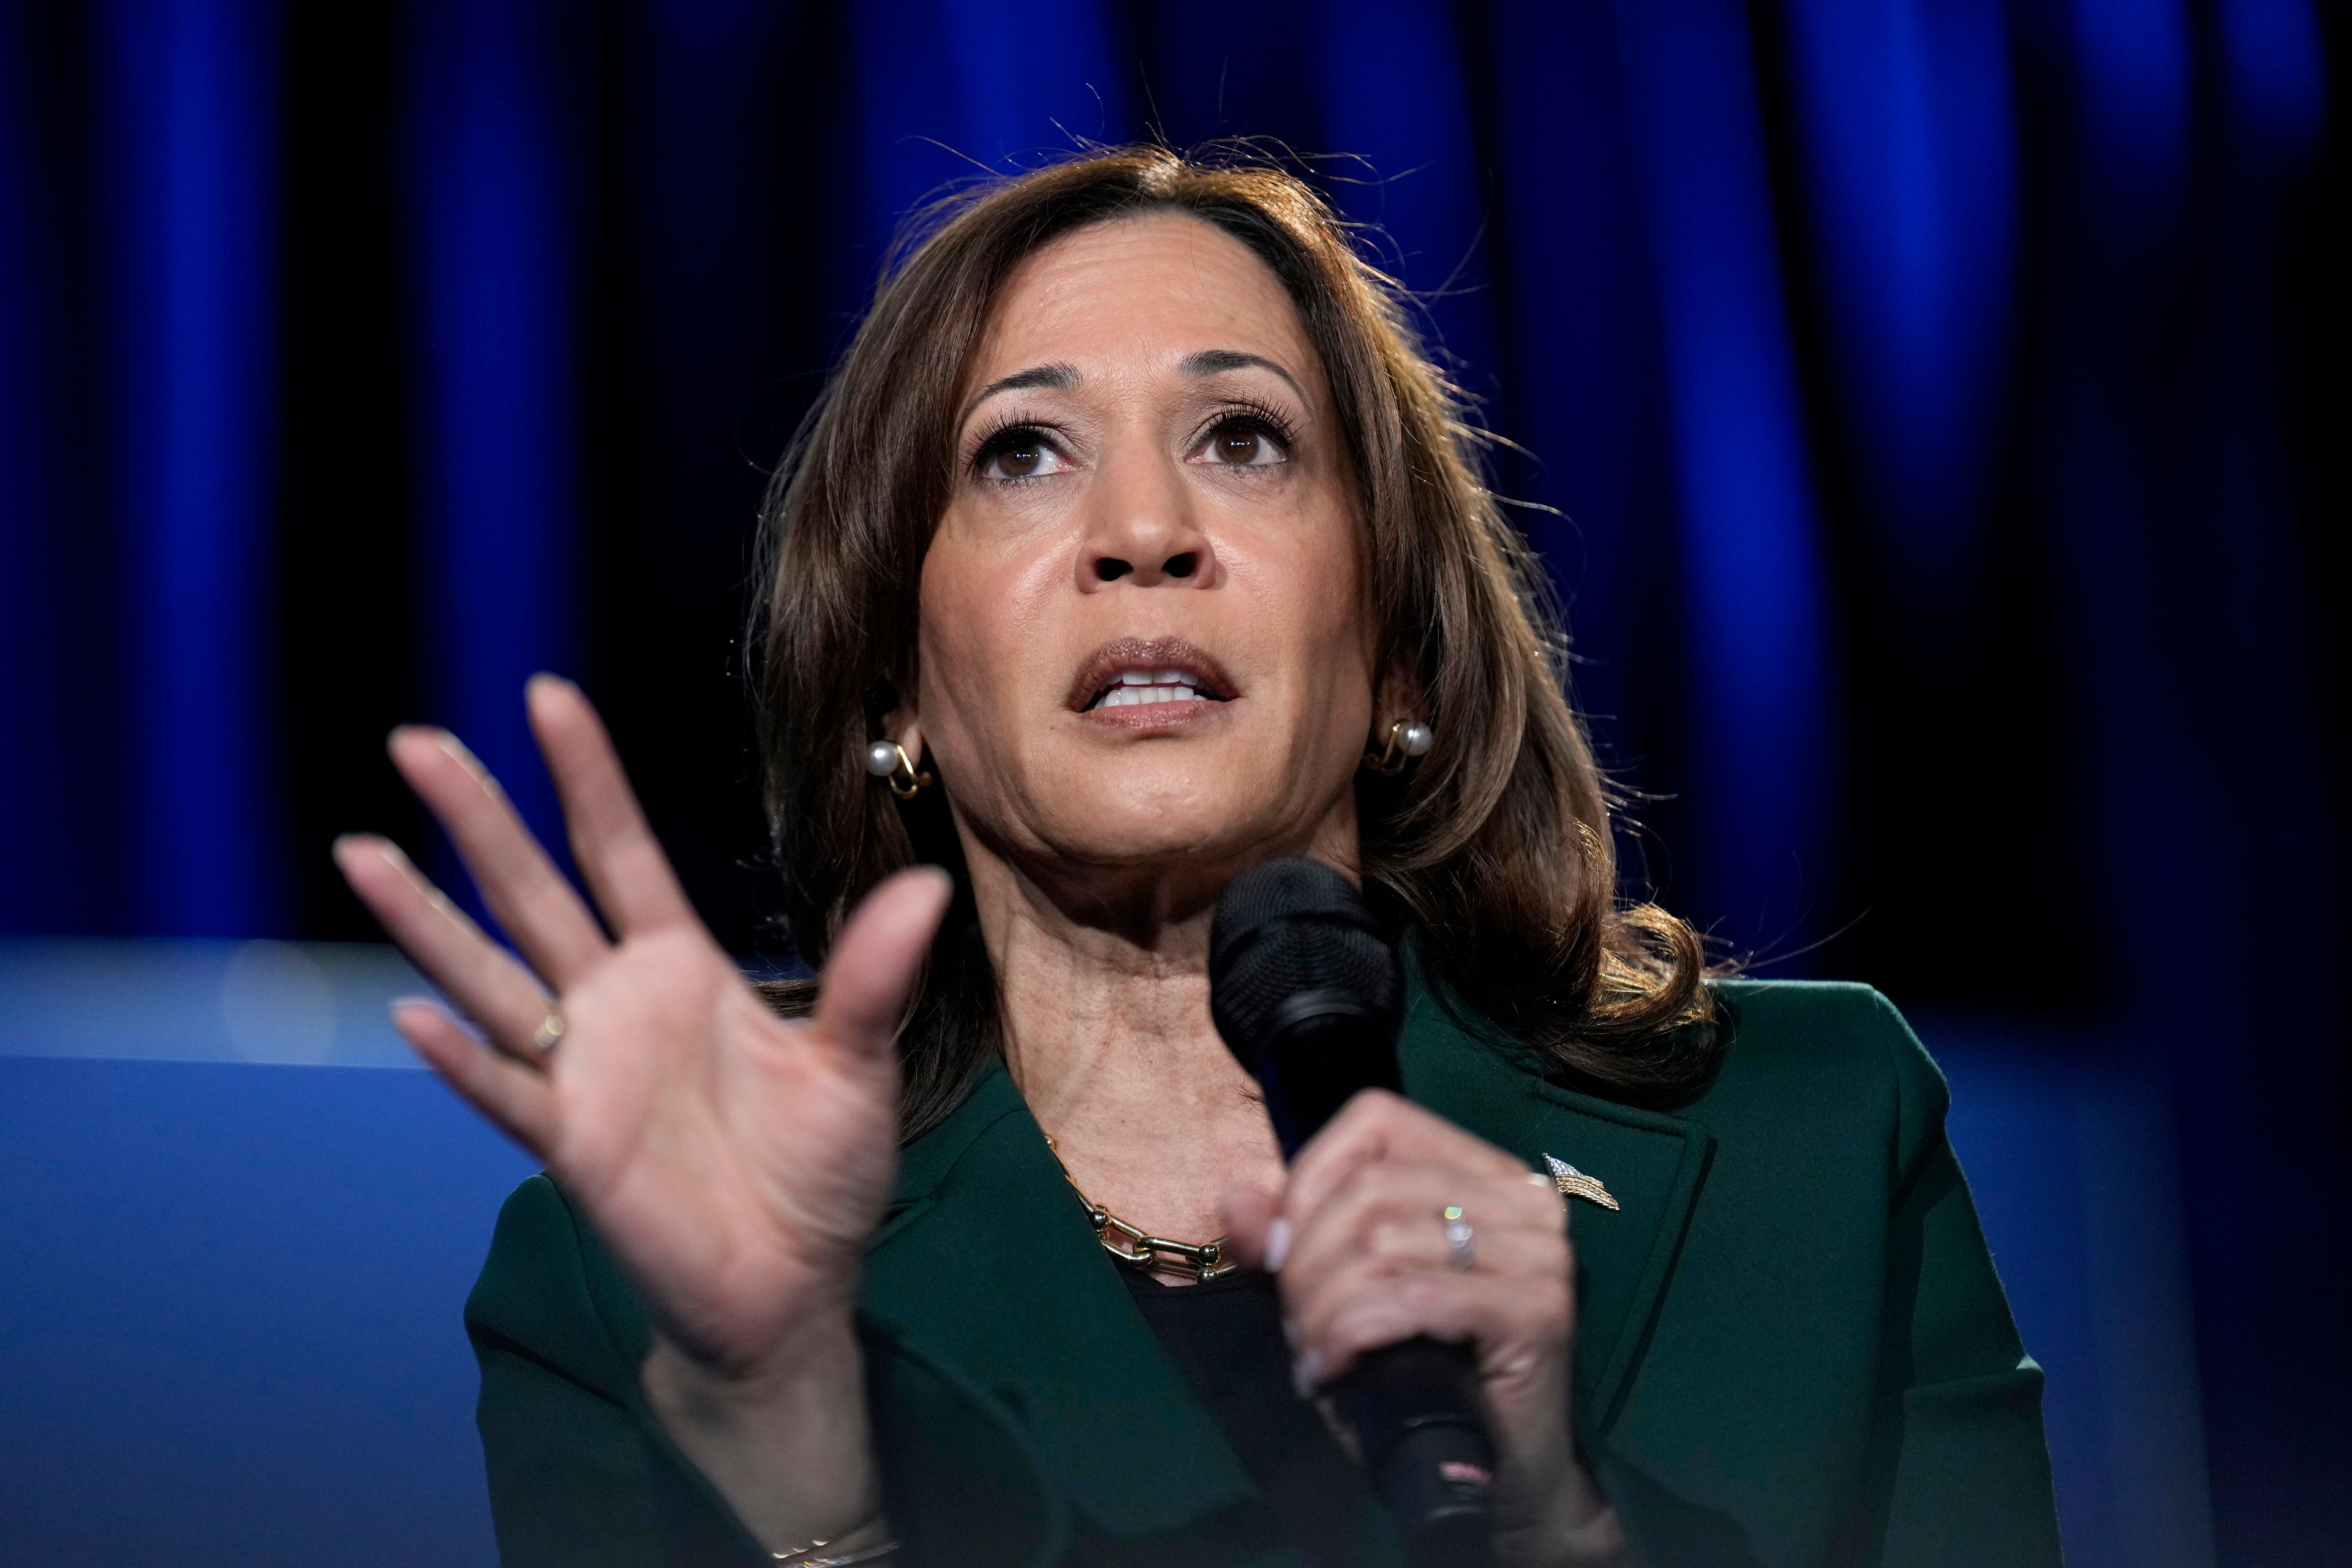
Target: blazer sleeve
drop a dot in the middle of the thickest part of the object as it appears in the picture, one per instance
(582, 1475)
(1970, 1469)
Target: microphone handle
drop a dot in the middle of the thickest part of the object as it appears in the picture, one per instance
(1417, 1414)
(1419, 1421)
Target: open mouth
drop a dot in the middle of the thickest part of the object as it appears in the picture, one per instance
(1135, 673)
(1136, 687)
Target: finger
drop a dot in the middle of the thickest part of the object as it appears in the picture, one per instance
(521, 885)
(1378, 1125)
(871, 972)
(1255, 1231)
(519, 1101)
(617, 853)
(1483, 1311)
(488, 986)
(1390, 1214)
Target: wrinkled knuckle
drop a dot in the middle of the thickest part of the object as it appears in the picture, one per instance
(1389, 1183)
(1393, 1237)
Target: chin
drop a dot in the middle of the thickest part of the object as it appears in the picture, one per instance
(1197, 824)
(1184, 807)
(1141, 839)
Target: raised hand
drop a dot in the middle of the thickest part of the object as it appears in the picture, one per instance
(733, 1161)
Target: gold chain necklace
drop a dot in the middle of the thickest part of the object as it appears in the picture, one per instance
(1151, 1254)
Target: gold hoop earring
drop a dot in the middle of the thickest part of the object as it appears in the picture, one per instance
(887, 761)
(1408, 740)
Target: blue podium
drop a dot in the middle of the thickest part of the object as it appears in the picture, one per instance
(236, 1228)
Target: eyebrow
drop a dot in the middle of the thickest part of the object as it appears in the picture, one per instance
(1216, 361)
(1056, 376)
(1208, 362)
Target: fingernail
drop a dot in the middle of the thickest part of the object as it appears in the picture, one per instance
(1302, 1374)
(402, 1009)
(1277, 1244)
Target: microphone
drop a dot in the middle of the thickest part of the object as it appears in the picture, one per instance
(1308, 993)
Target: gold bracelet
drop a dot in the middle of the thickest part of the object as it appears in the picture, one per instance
(804, 1557)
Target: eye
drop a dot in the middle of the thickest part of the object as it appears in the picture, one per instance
(1244, 441)
(1022, 452)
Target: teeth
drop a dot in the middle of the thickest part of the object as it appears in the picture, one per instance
(1132, 691)
(1130, 688)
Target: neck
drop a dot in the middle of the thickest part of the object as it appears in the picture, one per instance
(1107, 1034)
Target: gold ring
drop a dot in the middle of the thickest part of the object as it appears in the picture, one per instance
(550, 1032)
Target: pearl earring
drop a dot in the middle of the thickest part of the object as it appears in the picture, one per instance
(1407, 741)
(887, 761)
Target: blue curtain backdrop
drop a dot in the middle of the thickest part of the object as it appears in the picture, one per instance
(1922, 407)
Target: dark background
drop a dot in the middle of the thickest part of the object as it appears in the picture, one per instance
(1931, 410)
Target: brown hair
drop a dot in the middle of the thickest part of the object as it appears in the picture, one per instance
(1493, 852)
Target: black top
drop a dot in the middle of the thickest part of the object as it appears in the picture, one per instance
(1226, 1337)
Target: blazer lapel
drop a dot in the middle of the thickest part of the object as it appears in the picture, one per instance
(986, 1261)
(1652, 1163)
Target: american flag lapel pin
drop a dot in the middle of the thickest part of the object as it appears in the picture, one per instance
(1574, 1184)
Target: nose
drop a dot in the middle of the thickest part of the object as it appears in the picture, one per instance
(1142, 529)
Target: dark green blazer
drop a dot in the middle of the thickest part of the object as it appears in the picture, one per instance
(1790, 1346)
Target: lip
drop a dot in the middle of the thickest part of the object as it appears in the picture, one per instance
(1109, 661)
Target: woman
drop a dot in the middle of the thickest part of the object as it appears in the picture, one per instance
(1135, 542)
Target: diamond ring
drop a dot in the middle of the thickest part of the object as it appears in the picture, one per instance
(1458, 1235)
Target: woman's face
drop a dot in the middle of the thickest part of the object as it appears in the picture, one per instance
(1144, 645)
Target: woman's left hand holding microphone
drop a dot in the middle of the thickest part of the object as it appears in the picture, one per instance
(1358, 1239)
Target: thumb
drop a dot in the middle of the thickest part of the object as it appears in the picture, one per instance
(863, 993)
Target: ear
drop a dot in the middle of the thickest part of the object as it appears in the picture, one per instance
(901, 725)
(902, 722)
(1397, 698)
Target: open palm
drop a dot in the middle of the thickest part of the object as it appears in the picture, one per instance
(732, 1161)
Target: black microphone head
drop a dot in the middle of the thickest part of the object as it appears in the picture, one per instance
(1304, 989)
